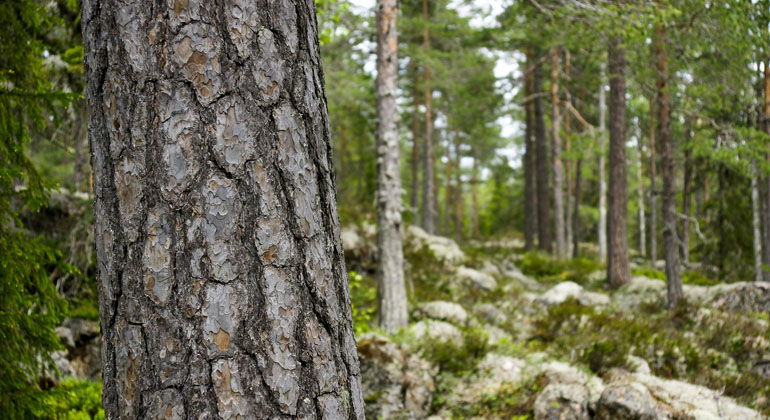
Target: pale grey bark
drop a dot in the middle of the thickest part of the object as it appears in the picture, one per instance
(755, 223)
(390, 265)
(602, 162)
(558, 171)
(222, 283)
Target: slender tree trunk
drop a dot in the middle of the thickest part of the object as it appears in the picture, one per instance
(569, 198)
(653, 190)
(686, 202)
(530, 186)
(640, 196)
(222, 282)
(446, 216)
(766, 179)
(415, 167)
(542, 163)
(671, 241)
(475, 198)
(428, 191)
(576, 211)
(556, 146)
(757, 228)
(618, 272)
(391, 291)
(80, 140)
(602, 234)
(458, 198)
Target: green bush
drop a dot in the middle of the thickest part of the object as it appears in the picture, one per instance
(549, 270)
(363, 301)
(73, 399)
(458, 359)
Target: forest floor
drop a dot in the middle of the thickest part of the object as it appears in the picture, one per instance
(499, 333)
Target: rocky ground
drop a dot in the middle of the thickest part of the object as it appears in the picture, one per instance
(488, 341)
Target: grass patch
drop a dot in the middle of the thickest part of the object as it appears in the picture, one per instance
(549, 270)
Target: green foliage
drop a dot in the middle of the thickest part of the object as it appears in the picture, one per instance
(513, 401)
(547, 269)
(458, 359)
(714, 349)
(363, 301)
(73, 399)
(30, 309)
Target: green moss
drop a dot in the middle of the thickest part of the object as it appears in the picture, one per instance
(510, 401)
(549, 270)
(650, 273)
(458, 359)
(710, 348)
(363, 301)
(85, 309)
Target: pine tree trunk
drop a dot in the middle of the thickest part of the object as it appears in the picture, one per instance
(475, 198)
(458, 197)
(576, 211)
(428, 190)
(756, 226)
(543, 163)
(618, 272)
(602, 234)
(530, 186)
(640, 197)
(666, 139)
(686, 203)
(391, 291)
(415, 167)
(556, 147)
(446, 227)
(222, 284)
(653, 191)
(766, 179)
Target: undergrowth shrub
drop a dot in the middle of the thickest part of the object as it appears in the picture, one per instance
(549, 270)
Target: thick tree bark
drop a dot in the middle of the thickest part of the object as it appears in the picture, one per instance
(618, 272)
(428, 191)
(222, 283)
(602, 234)
(542, 162)
(391, 291)
(666, 139)
(530, 186)
(558, 171)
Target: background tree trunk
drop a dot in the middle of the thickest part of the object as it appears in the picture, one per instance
(653, 190)
(415, 191)
(640, 196)
(666, 139)
(766, 186)
(530, 186)
(428, 191)
(391, 291)
(475, 198)
(222, 283)
(756, 225)
(686, 202)
(556, 146)
(542, 162)
(618, 272)
(602, 234)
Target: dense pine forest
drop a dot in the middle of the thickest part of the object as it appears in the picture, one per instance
(415, 209)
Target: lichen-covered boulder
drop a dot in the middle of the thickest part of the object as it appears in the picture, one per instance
(568, 289)
(436, 331)
(395, 385)
(627, 401)
(443, 311)
(475, 278)
(444, 249)
(562, 402)
(742, 297)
